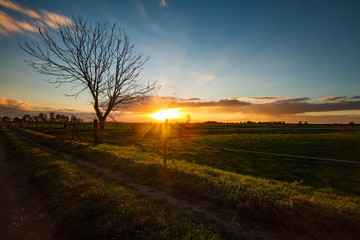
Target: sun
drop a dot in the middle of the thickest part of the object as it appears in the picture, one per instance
(166, 114)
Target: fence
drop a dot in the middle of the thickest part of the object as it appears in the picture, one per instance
(185, 135)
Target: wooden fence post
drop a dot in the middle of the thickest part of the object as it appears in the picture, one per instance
(165, 141)
(96, 138)
(73, 132)
(165, 149)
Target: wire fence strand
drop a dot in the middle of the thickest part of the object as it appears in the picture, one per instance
(274, 156)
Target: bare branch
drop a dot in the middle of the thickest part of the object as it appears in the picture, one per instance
(95, 57)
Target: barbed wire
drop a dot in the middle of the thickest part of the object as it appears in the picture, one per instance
(274, 156)
(257, 153)
(277, 128)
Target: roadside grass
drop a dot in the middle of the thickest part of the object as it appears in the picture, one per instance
(94, 209)
(339, 145)
(295, 207)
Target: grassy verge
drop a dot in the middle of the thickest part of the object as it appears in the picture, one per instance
(94, 209)
(299, 209)
(339, 145)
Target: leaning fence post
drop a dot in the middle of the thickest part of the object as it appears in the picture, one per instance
(165, 141)
(165, 148)
(96, 139)
(73, 132)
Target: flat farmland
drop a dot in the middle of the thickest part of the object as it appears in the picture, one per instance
(217, 145)
(290, 179)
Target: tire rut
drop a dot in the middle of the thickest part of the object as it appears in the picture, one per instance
(212, 212)
(24, 211)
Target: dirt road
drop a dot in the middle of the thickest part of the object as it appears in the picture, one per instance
(24, 213)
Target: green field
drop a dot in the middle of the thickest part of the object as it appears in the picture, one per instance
(191, 143)
(91, 208)
(295, 195)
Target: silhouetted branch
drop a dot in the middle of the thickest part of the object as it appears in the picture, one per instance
(95, 57)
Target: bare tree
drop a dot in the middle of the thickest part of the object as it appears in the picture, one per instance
(6, 119)
(97, 58)
(58, 117)
(51, 118)
(27, 118)
(36, 119)
(42, 117)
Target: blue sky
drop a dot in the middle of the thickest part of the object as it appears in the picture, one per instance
(212, 50)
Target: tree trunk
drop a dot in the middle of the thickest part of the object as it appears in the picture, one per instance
(96, 138)
(101, 130)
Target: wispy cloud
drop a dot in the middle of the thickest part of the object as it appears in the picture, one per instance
(16, 7)
(164, 84)
(262, 99)
(300, 105)
(141, 8)
(193, 99)
(51, 18)
(17, 108)
(291, 100)
(176, 102)
(26, 22)
(51, 109)
(338, 98)
(276, 107)
(163, 3)
(290, 109)
(202, 77)
(9, 24)
(12, 105)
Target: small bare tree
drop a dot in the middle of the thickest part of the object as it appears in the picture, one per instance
(97, 58)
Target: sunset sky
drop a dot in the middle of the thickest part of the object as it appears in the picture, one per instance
(215, 60)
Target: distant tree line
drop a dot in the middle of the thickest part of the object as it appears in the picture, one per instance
(250, 122)
(43, 118)
(300, 123)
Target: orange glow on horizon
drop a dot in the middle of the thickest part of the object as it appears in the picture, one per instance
(166, 114)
